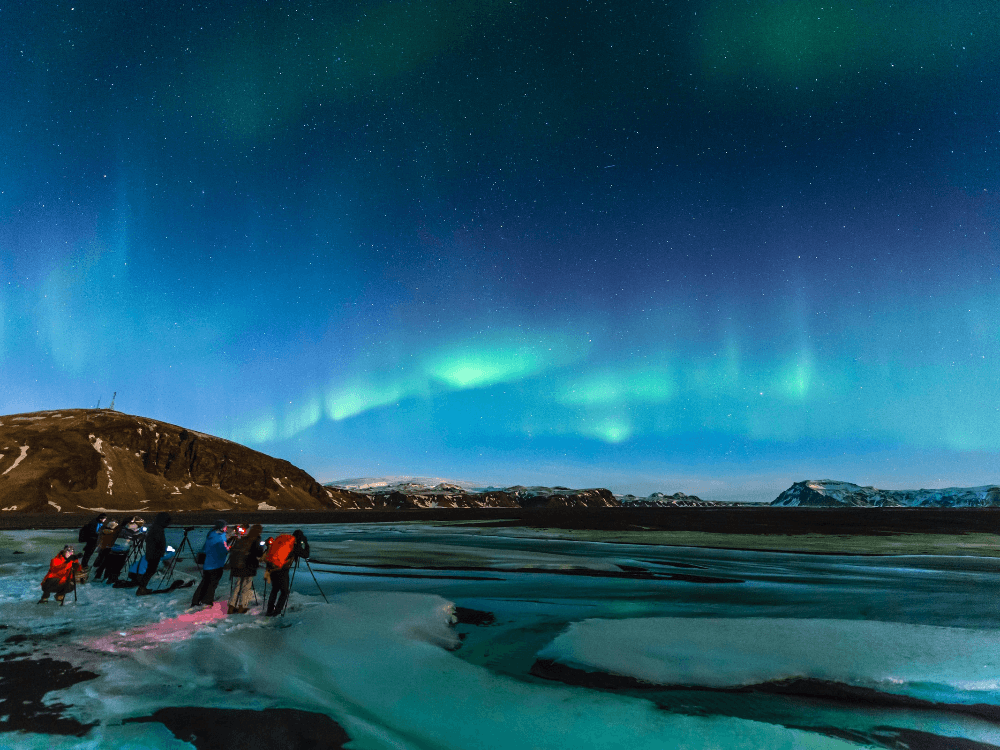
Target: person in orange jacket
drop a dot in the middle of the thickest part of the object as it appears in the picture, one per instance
(280, 557)
(59, 580)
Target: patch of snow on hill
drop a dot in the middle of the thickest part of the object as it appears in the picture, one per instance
(19, 459)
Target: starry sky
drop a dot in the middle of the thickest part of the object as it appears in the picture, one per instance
(713, 246)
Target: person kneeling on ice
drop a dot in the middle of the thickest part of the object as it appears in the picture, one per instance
(156, 548)
(279, 558)
(59, 580)
(244, 559)
(216, 550)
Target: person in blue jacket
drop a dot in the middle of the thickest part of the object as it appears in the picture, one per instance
(216, 550)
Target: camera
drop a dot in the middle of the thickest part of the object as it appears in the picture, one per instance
(189, 529)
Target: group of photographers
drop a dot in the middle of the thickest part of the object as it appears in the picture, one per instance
(240, 551)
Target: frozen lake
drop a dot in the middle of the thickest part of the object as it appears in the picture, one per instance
(451, 636)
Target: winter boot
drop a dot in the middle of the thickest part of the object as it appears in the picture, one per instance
(231, 610)
(61, 599)
(45, 598)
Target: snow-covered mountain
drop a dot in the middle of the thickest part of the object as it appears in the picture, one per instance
(384, 485)
(833, 493)
(662, 500)
(423, 492)
(437, 492)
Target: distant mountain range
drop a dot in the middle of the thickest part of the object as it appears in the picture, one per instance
(101, 460)
(424, 492)
(89, 460)
(833, 493)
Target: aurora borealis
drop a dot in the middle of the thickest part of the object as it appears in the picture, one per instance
(712, 247)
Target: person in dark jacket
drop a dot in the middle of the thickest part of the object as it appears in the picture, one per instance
(216, 551)
(89, 535)
(244, 559)
(280, 557)
(105, 541)
(127, 537)
(156, 548)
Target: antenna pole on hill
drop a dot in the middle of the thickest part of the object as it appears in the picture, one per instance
(98, 404)
(112, 407)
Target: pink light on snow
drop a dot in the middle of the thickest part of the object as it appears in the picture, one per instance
(165, 631)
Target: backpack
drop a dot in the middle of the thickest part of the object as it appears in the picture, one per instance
(238, 554)
(280, 552)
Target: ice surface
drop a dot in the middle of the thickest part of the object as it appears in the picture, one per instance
(378, 664)
(950, 665)
(380, 658)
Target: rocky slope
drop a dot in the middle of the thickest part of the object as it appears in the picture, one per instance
(832, 493)
(78, 460)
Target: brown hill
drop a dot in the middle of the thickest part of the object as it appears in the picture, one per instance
(78, 460)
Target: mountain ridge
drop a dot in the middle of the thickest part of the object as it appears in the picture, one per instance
(825, 493)
(76, 460)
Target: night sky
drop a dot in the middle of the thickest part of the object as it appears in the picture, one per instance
(713, 247)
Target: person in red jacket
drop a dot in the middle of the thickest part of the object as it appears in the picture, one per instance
(59, 579)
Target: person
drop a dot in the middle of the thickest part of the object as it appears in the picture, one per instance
(106, 540)
(244, 559)
(216, 550)
(89, 535)
(156, 547)
(284, 551)
(129, 536)
(59, 579)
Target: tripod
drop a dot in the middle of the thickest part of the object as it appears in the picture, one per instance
(135, 551)
(168, 573)
(292, 583)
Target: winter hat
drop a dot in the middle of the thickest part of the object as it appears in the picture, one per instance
(69, 548)
(219, 525)
(111, 525)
